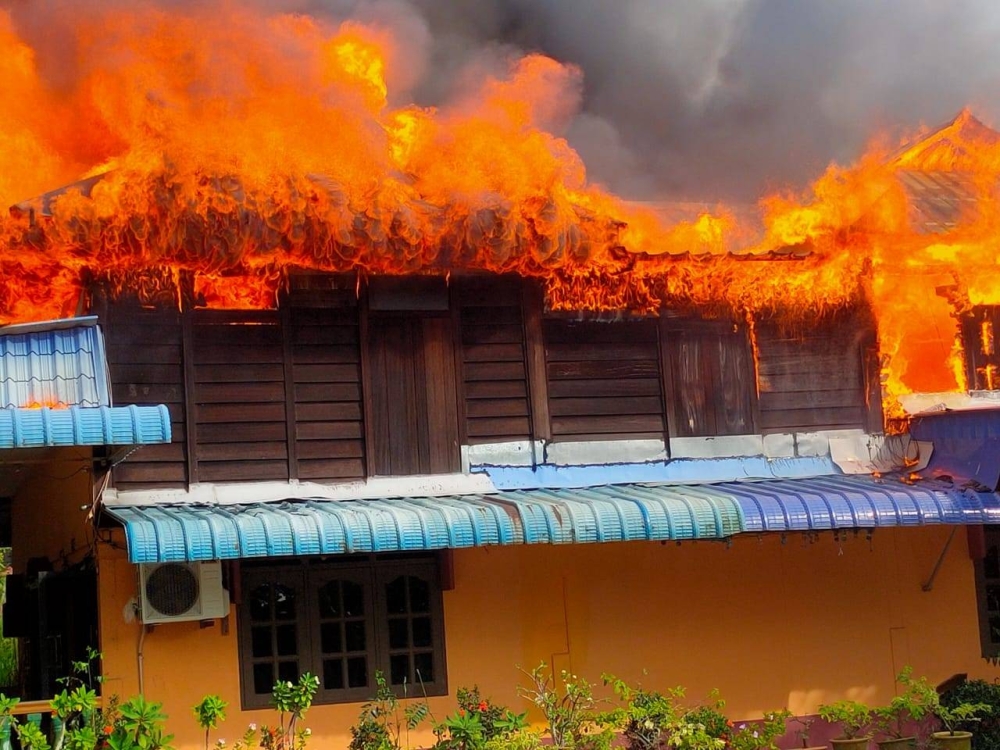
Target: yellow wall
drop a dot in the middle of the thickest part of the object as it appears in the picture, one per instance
(767, 623)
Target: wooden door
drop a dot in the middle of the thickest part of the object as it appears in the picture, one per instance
(413, 395)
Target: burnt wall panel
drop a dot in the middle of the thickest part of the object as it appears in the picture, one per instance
(712, 379)
(145, 360)
(494, 376)
(229, 403)
(603, 380)
(814, 377)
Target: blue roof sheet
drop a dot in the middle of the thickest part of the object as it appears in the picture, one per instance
(599, 514)
(56, 363)
(625, 512)
(852, 502)
(964, 444)
(79, 425)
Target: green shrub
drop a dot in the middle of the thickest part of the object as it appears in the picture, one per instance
(986, 731)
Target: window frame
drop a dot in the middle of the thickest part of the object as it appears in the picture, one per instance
(373, 573)
(990, 649)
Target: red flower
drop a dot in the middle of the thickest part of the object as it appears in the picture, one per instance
(108, 729)
(483, 706)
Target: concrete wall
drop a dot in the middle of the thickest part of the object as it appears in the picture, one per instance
(770, 624)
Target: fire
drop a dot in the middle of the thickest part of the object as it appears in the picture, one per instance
(214, 150)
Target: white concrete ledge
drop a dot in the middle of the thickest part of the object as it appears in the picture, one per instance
(515, 453)
(723, 446)
(591, 452)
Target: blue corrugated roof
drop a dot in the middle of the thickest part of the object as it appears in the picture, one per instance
(626, 512)
(79, 425)
(850, 502)
(964, 444)
(599, 514)
(55, 363)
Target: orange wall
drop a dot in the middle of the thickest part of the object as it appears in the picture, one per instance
(767, 623)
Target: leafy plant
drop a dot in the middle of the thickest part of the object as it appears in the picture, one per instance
(380, 724)
(139, 726)
(644, 716)
(648, 719)
(710, 716)
(522, 739)
(209, 712)
(477, 722)
(854, 717)
(247, 741)
(31, 737)
(7, 706)
(952, 717)
(760, 735)
(987, 727)
(806, 723)
(571, 721)
(291, 700)
(77, 716)
(916, 702)
(460, 731)
(496, 720)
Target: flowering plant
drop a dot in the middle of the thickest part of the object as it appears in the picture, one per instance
(477, 722)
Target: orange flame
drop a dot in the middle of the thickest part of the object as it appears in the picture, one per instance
(233, 146)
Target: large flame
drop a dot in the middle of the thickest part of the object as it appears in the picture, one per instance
(229, 146)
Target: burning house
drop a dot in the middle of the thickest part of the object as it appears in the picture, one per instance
(433, 406)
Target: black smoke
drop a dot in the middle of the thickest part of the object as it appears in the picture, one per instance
(726, 99)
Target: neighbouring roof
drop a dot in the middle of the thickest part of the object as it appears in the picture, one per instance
(82, 426)
(965, 444)
(611, 513)
(55, 391)
(56, 363)
(940, 193)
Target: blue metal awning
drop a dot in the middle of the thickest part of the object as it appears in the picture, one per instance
(157, 533)
(625, 512)
(853, 502)
(84, 425)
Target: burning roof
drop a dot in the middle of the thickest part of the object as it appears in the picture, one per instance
(297, 153)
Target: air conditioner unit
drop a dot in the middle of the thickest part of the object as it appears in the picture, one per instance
(182, 591)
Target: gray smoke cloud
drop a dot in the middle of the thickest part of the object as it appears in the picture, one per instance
(726, 99)
(703, 100)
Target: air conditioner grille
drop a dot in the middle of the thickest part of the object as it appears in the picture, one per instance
(172, 589)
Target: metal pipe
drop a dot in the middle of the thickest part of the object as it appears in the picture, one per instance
(929, 583)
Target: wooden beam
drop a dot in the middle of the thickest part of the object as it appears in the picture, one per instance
(25, 708)
(190, 403)
(366, 374)
(873, 384)
(670, 417)
(459, 358)
(538, 393)
(286, 334)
